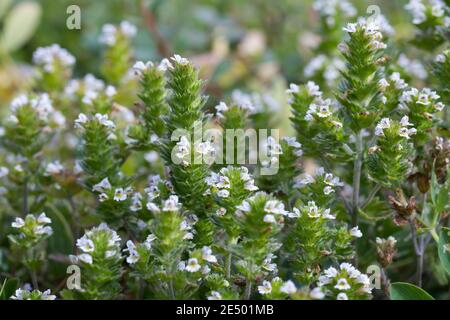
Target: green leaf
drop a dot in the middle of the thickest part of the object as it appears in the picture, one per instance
(19, 25)
(407, 291)
(7, 288)
(444, 255)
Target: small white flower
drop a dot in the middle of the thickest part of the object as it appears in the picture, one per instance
(54, 168)
(43, 219)
(288, 287)
(120, 195)
(82, 119)
(102, 186)
(270, 218)
(244, 206)
(265, 288)
(3, 172)
(223, 193)
(85, 244)
(327, 190)
(350, 28)
(214, 295)
(180, 60)
(317, 293)
(342, 284)
(331, 272)
(171, 204)
(134, 255)
(18, 223)
(86, 258)
(193, 265)
(342, 296)
(355, 232)
(207, 255)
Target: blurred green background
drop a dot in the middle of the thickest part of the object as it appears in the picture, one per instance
(246, 44)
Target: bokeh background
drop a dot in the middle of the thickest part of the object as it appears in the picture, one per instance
(254, 45)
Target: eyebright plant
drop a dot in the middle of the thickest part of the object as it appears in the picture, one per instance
(107, 177)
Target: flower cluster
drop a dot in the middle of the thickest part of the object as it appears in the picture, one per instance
(28, 294)
(53, 57)
(344, 283)
(101, 259)
(31, 230)
(321, 186)
(111, 33)
(431, 17)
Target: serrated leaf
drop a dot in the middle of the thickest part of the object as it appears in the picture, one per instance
(408, 291)
(444, 254)
(19, 25)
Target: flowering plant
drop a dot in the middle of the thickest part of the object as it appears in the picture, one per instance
(140, 205)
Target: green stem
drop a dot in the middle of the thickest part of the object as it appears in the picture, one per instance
(229, 262)
(356, 185)
(371, 195)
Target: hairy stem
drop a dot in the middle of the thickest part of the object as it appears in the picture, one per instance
(25, 197)
(229, 262)
(356, 185)
(248, 289)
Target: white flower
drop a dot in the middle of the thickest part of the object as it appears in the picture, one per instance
(43, 230)
(288, 287)
(128, 29)
(313, 210)
(54, 168)
(269, 218)
(18, 223)
(207, 255)
(102, 197)
(223, 193)
(3, 172)
(214, 295)
(85, 244)
(152, 207)
(385, 123)
(327, 190)
(350, 28)
(331, 272)
(82, 119)
(149, 240)
(244, 206)
(46, 295)
(293, 88)
(43, 219)
(103, 120)
(120, 195)
(313, 89)
(355, 232)
(192, 265)
(275, 206)
(383, 83)
(342, 296)
(266, 287)
(317, 293)
(342, 284)
(134, 255)
(220, 108)
(48, 57)
(171, 204)
(86, 258)
(179, 60)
